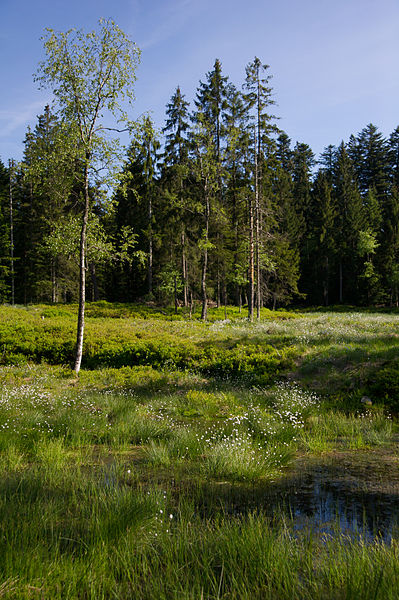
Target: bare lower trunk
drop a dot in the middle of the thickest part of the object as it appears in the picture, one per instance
(150, 246)
(205, 255)
(175, 290)
(326, 282)
(93, 276)
(203, 286)
(340, 282)
(218, 286)
(184, 270)
(251, 264)
(53, 283)
(225, 300)
(257, 240)
(191, 304)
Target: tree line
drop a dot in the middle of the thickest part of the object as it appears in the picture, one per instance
(217, 206)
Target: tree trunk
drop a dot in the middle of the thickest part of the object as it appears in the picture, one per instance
(82, 275)
(218, 286)
(225, 300)
(150, 245)
(326, 282)
(257, 237)
(93, 276)
(340, 282)
(236, 243)
(53, 283)
(205, 260)
(175, 290)
(203, 285)
(184, 270)
(251, 263)
(191, 304)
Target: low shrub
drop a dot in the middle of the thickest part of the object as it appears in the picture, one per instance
(384, 385)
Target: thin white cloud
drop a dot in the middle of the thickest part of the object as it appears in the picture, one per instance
(170, 19)
(12, 119)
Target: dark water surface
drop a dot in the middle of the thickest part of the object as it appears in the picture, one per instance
(353, 493)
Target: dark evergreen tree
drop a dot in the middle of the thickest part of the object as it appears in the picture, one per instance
(394, 156)
(373, 167)
(321, 239)
(348, 224)
(258, 98)
(211, 103)
(206, 173)
(136, 207)
(175, 173)
(237, 184)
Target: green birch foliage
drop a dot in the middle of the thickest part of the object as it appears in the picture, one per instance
(91, 76)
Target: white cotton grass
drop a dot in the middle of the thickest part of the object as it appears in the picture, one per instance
(255, 442)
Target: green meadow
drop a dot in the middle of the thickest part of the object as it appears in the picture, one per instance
(158, 472)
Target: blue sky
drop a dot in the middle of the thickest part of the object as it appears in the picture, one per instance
(334, 63)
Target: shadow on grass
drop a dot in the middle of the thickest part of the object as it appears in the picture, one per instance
(66, 514)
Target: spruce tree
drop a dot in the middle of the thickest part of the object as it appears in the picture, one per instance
(321, 238)
(258, 98)
(205, 172)
(349, 222)
(175, 172)
(237, 143)
(211, 103)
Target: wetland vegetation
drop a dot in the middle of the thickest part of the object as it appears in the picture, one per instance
(224, 459)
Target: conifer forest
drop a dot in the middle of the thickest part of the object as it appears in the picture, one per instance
(217, 206)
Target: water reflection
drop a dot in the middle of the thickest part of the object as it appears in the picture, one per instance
(334, 499)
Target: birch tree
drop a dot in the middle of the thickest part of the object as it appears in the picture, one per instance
(91, 76)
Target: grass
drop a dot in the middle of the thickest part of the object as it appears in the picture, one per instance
(151, 480)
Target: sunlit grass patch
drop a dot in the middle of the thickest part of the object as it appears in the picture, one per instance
(332, 429)
(239, 458)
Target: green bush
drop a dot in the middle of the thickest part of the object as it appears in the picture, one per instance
(119, 336)
(384, 385)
